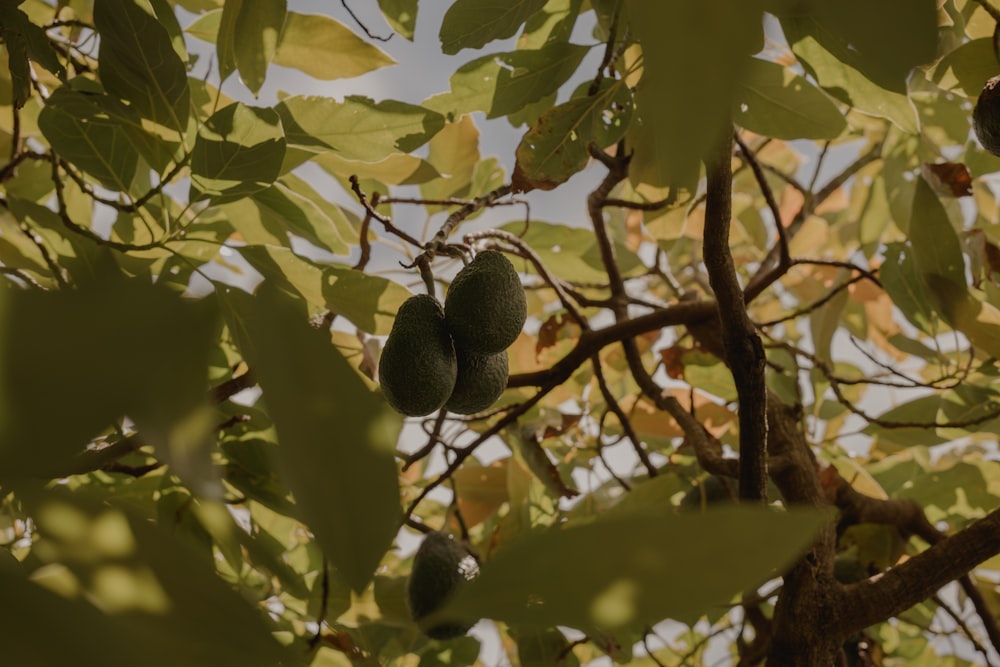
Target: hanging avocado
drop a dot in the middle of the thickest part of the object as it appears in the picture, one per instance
(485, 306)
(440, 566)
(418, 367)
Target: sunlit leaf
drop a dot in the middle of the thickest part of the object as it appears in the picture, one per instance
(326, 49)
(900, 279)
(862, 45)
(337, 437)
(358, 128)
(967, 68)
(248, 38)
(396, 169)
(138, 63)
(774, 101)
(291, 209)
(401, 15)
(569, 251)
(504, 83)
(556, 145)
(852, 87)
(24, 40)
(80, 128)
(471, 24)
(238, 152)
(937, 253)
(284, 268)
(370, 302)
(650, 574)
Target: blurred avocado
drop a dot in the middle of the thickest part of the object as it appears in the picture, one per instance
(481, 380)
(485, 306)
(440, 566)
(986, 116)
(418, 367)
(710, 491)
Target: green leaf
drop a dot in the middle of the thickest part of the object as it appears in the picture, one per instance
(572, 251)
(162, 596)
(396, 169)
(358, 128)
(865, 45)
(454, 153)
(25, 40)
(775, 102)
(908, 293)
(238, 152)
(293, 273)
(80, 129)
(937, 252)
(555, 147)
(504, 83)
(152, 364)
(248, 38)
(326, 49)
(289, 208)
(471, 24)
(139, 64)
(28, 630)
(852, 87)
(660, 565)
(525, 76)
(694, 56)
(337, 437)
(966, 68)
(370, 302)
(401, 15)
(824, 323)
(542, 648)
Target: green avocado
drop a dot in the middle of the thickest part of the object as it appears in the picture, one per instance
(485, 306)
(418, 367)
(440, 566)
(481, 380)
(986, 116)
(712, 490)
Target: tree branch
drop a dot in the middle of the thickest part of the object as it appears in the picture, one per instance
(744, 351)
(874, 600)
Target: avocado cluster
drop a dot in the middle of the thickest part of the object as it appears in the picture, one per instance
(455, 357)
(440, 566)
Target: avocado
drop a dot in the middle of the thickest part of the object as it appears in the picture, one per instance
(440, 566)
(986, 116)
(485, 306)
(710, 491)
(418, 367)
(481, 380)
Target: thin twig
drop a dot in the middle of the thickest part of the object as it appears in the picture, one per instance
(363, 26)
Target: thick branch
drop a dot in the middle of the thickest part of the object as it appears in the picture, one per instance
(743, 348)
(874, 600)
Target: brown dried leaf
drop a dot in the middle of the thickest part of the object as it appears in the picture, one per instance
(950, 178)
(673, 360)
(552, 330)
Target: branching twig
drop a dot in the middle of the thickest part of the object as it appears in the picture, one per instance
(386, 222)
(464, 212)
(623, 419)
(784, 258)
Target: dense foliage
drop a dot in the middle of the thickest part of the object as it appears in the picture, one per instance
(752, 413)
